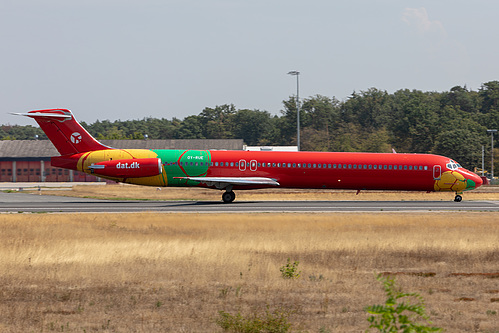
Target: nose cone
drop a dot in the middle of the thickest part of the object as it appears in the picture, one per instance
(473, 181)
(478, 181)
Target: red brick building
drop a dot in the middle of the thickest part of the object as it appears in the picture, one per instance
(29, 160)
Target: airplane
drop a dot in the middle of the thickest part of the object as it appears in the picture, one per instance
(243, 170)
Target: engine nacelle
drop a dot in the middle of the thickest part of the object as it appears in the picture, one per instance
(129, 168)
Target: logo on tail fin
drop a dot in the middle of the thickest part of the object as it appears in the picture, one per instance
(76, 138)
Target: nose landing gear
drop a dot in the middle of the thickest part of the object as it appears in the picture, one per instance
(228, 196)
(458, 198)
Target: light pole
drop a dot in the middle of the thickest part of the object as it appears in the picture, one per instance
(492, 131)
(297, 74)
(483, 161)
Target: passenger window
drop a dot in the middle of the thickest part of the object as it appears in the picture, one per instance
(299, 165)
(426, 167)
(294, 165)
(405, 167)
(339, 166)
(410, 167)
(231, 164)
(355, 166)
(319, 166)
(370, 166)
(384, 167)
(349, 166)
(289, 165)
(329, 166)
(315, 165)
(334, 166)
(394, 167)
(278, 165)
(389, 167)
(375, 167)
(309, 165)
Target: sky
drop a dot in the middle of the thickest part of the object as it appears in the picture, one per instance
(131, 59)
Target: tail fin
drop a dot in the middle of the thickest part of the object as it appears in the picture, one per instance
(66, 134)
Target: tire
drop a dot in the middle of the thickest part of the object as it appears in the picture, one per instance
(228, 197)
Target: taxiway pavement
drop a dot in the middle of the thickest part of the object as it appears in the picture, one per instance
(26, 203)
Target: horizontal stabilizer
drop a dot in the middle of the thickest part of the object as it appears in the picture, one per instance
(51, 115)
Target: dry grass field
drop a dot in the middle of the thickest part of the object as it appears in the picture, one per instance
(151, 272)
(124, 191)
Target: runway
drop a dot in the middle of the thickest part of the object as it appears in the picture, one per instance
(30, 203)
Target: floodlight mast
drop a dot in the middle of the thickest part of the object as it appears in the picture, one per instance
(297, 74)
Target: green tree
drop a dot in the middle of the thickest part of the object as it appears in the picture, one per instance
(370, 109)
(489, 94)
(191, 128)
(289, 122)
(251, 125)
(415, 121)
(217, 123)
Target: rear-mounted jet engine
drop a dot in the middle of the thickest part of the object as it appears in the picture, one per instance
(129, 168)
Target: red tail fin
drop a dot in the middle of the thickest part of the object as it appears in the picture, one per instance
(66, 134)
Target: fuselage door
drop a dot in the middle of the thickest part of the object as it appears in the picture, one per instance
(253, 165)
(437, 172)
(242, 165)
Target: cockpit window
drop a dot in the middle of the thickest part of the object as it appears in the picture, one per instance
(452, 165)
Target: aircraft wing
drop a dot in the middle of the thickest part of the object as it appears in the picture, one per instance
(224, 182)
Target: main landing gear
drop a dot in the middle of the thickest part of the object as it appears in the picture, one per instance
(228, 196)
(458, 198)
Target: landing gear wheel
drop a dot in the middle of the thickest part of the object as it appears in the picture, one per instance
(458, 198)
(228, 197)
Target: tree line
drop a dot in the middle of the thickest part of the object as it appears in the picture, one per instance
(453, 123)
